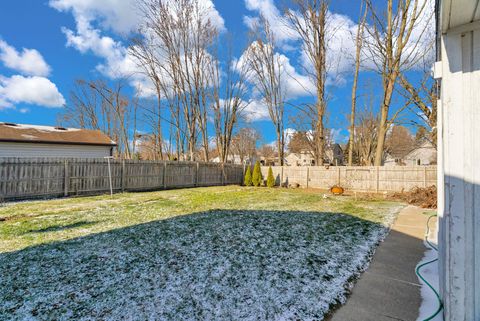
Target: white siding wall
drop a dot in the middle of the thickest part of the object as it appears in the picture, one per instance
(52, 150)
(459, 199)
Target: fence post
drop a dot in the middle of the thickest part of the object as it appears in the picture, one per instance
(281, 178)
(425, 176)
(123, 175)
(308, 175)
(66, 179)
(197, 165)
(223, 174)
(243, 173)
(165, 175)
(338, 175)
(377, 174)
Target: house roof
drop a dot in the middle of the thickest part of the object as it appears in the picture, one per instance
(23, 133)
(425, 145)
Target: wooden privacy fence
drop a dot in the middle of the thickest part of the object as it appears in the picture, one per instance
(24, 178)
(365, 179)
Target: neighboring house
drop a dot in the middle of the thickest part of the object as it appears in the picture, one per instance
(271, 161)
(234, 159)
(20, 140)
(333, 156)
(304, 158)
(423, 154)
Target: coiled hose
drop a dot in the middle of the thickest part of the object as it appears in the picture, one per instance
(417, 271)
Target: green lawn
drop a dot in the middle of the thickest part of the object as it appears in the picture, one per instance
(195, 254)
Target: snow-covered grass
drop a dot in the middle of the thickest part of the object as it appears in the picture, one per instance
(223, 253)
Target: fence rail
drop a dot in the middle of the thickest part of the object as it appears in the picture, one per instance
(364, 179)
(24, 178)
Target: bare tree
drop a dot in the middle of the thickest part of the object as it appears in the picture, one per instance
(144, 50)
(393, 50)
(309, 19)
(299, 142)
(97, 105)
(399, 142)
(267, 151)
(231, 81)
(244, 144)
(184, 32)
(267, 73)
(358, 51)
(422, 100)
(365, 143)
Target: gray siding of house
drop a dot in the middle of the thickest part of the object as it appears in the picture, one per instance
(8, 149)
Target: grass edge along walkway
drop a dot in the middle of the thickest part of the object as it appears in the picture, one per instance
(389, 289)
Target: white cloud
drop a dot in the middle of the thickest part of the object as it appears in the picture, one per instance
(117, 62)
(28, 61)
(294, 83)
(117, 15)
(281, 31)
(122, 17)
(31, 90)
(288, 134)
(256, 110)
(212, 13)
(339, 135)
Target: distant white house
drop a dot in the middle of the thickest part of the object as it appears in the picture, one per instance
(235, 159)
(333, 156)
(423, 154)
(21, 140)
(304, 158)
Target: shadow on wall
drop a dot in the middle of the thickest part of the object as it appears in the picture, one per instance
(223, 265)
(459, 247)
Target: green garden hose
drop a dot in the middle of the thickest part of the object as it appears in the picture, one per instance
(417, 271)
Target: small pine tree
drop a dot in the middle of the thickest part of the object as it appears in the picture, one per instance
(270, 178)
(248, 177)
(257, 175)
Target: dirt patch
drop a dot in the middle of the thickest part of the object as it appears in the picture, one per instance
(423, 197)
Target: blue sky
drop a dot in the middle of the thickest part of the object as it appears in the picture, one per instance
(39, 61)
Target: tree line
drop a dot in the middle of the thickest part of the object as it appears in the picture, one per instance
(202, 91)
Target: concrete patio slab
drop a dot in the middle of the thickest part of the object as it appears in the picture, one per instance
(389, 289)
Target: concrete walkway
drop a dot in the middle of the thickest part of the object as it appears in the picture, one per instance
(389, 289)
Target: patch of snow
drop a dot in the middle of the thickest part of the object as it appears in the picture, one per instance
(218, 265)
(29, 136)
(430, 272)
(43, 128)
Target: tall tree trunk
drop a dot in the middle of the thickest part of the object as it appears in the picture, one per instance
(320, 139)
(358, 51)
(159, 124)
